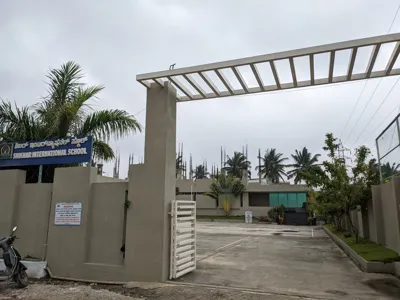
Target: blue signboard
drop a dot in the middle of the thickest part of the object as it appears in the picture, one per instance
(68, 150)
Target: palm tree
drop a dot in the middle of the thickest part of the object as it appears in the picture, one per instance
(237, 164)
(226, 187)
(200, 172)
(66, 111)
(389, 170)
(303, 160)
(272, 166)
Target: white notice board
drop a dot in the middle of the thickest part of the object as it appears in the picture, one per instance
(249, 217)
(68, 214)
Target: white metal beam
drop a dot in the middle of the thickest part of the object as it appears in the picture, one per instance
(195, 85)
(293, 71)
(372, 59)
(392, 59)
(211, 85)
(275, 73)
(181, 87)
(351, 62)
(331, 66)
(241, 80)
(225, 81)
(159, 82)
(254, 61)
(312, 69)
(257, 76)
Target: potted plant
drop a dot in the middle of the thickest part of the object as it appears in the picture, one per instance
(273, 214)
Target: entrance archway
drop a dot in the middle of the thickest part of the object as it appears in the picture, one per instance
(153, 182)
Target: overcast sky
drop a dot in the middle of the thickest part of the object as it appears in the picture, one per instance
(114, 41)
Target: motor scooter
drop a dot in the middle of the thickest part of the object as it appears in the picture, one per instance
(15, 269)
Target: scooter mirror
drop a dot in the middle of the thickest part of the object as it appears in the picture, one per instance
(15, 229)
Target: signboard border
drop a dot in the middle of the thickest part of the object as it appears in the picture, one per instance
(80, 221)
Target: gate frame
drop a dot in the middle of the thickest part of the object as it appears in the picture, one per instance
(188, 213)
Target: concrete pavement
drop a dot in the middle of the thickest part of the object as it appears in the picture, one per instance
(283, 260)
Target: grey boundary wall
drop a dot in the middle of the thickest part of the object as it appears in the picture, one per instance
(366, 266)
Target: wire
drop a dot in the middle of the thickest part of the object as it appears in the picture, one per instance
(384, 99)
(394, 131)
(377, 127)
(365, 107)
(354, 108)
(394, 19)
(139, 112)
(390, 28)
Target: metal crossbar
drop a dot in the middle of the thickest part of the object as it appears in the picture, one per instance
(184, 81)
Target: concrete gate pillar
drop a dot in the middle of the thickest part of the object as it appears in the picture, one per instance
(151, 190)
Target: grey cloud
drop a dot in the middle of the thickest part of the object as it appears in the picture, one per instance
(114, 41)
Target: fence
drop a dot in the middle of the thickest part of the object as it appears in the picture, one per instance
(388, 148)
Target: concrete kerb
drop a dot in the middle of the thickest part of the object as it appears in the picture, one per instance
(367, 266)
(397, 268)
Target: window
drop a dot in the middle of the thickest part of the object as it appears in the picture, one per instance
(292, 200)
(301, 199)
(289, 200)
(273, 199)
(259, 199)
(283, 199)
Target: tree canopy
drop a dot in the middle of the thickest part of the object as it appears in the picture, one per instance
(341, 191)
(67, 110)
(303, 160)
(237, 164)
(200, 172)
(225, 187)
(272, 166)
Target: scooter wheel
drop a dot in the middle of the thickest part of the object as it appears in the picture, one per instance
(21, 279)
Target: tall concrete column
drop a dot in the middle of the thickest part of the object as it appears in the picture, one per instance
(378, 215)
(151, 189)
(396, 186)
(10, 182)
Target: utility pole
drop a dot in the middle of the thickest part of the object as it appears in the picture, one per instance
(117, 163)
(221, 159)
(342, 154)
(259, 165)
(190, 167)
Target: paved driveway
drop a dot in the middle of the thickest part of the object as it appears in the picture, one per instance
(282, 260)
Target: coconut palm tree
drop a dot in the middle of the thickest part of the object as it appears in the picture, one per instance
(237, 164)
(200, 172)
(389, 170)
(272, 166)
(303, 160)
(225, 188)
(67, 111)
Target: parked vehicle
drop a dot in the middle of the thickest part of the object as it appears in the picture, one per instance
(15, 270)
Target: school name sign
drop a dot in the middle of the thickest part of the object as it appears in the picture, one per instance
(69, 150)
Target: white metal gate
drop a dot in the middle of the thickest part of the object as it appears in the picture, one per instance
(183, 238)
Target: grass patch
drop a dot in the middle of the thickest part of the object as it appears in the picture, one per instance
(221, 217)
(367, 249)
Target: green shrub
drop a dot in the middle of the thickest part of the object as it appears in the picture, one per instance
(273, 213)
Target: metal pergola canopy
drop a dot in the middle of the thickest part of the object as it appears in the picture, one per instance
(227, 78)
